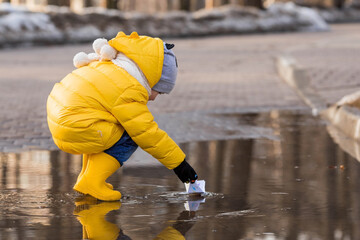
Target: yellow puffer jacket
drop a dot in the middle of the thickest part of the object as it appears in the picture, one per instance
(91, 107)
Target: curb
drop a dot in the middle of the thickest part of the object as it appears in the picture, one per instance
(346, 143)
(344, 120)
(295, 75)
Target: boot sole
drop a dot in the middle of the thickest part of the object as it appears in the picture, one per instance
(85, 190)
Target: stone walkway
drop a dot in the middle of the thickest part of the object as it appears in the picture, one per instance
(331, 66)
(228, 74)
(323, 75)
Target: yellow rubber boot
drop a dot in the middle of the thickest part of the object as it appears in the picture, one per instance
(99, 167)
(83, 168)
(92, 218)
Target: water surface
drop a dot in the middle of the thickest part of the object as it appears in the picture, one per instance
(299, 185)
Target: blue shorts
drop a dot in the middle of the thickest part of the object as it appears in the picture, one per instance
(123, 149)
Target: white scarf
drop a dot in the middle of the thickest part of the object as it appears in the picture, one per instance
(133, 69)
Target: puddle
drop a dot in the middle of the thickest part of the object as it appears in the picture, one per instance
(296, 185)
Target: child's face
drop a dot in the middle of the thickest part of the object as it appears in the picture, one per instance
(153, 95)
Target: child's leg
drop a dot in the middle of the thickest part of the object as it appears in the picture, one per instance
(123, 149)
(100, 166)
(84, 165)
(93, 219)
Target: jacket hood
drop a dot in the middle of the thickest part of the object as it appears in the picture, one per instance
(146, 52)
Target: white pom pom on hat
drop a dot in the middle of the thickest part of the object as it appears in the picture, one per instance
(98, 44)
(81, 59)
(107, 53)
(93, 57)
(103, 52)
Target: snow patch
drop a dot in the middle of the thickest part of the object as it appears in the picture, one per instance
(82, 34)
(7, 7)
(57, 24)
(307, 19)
(22, 27)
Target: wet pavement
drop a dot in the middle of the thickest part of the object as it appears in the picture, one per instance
(296, 185)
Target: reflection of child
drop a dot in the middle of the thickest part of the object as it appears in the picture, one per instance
(178, 230)
(92, 216)
(99, 110)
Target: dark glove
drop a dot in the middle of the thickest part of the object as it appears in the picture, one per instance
(185, 172)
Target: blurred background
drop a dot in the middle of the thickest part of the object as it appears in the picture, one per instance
(64, 21)
(152, 6)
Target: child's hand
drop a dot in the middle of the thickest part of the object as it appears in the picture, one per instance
(185, 172)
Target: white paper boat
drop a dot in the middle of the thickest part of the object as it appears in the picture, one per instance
(193, 205)
(197, 187)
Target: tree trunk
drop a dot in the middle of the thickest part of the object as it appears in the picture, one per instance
(112, 4)
(53, 2)
(339, 3)
(254, 3)
(185, 5)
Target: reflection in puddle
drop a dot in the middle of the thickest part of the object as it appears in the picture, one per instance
(291, 187)
(91, 214)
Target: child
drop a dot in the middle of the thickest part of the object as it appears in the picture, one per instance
(99, 110)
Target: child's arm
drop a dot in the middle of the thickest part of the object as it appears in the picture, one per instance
(133, 114)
